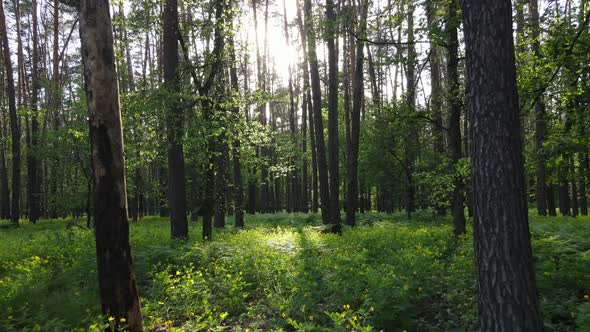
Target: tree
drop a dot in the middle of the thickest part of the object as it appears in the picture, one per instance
(316, 91)
(333, 151)
(541, 193)
(174, 120)
(455, 146)
(505, 275)
(118, 290)
(352, 153)
(34, 185)
(14, 123)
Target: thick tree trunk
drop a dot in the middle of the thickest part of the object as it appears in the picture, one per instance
(118, 291)
(175, 120)
(455, 104)
(317, 114)
(14, 122)
(508, 298)
(541, 194)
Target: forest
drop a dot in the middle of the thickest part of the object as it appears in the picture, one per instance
(294, 165)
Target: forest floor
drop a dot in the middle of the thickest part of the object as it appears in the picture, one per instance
(282, 272)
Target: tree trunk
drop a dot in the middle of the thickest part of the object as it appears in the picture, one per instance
(582, 178)
(574, 188)
(175, 119)
(551, 208)
(352, 183)
(541, 194)
(14, 123)
(436, 95)
(317, 115)
(411, 144)
(32, 160)
(333, 151)
(455, 104)
(508, 298)
(118, 291)
(236, 156)
(564, 198)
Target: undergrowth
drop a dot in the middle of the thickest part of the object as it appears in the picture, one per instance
(282, 272)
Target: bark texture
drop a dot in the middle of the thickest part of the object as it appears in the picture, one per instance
(118, 290)
(508, 299)
(175, 120)
(14, 123)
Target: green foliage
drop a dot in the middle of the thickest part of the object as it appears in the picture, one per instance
(283, 273)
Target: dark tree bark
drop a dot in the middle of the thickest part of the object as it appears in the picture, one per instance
(564, 196)
(333, 151)
(118, 291)
(541, 194)
(508, 298)
(34, 185)
(55, 105)
(455, 104)
(216, 59)
(551, 207)
(307, 106)
(14, 123)
(305, 190)
(236, 157)
(582, 178)
(175, 120)
(317, 114)
(575, 210)
(352, 155)
(436, 95)
(412, 141)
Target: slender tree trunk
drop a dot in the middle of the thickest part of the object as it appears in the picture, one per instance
(333, 151)
(582, 178)
(541, 194)
(118, 291)
(564, 198)
(352, 183)
(32, 159)
(551, 207)
(14, 123)
(207, 106)
(411, 144)
(317, 114)
(436, 95)
(575, 210)
(508, 298)
(236, 156)
(175, 119)
(455, 104)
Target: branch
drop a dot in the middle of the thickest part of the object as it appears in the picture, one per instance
(385, 43)
(63, 50)
(568, 52)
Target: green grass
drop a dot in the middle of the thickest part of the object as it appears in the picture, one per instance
(283, 273)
